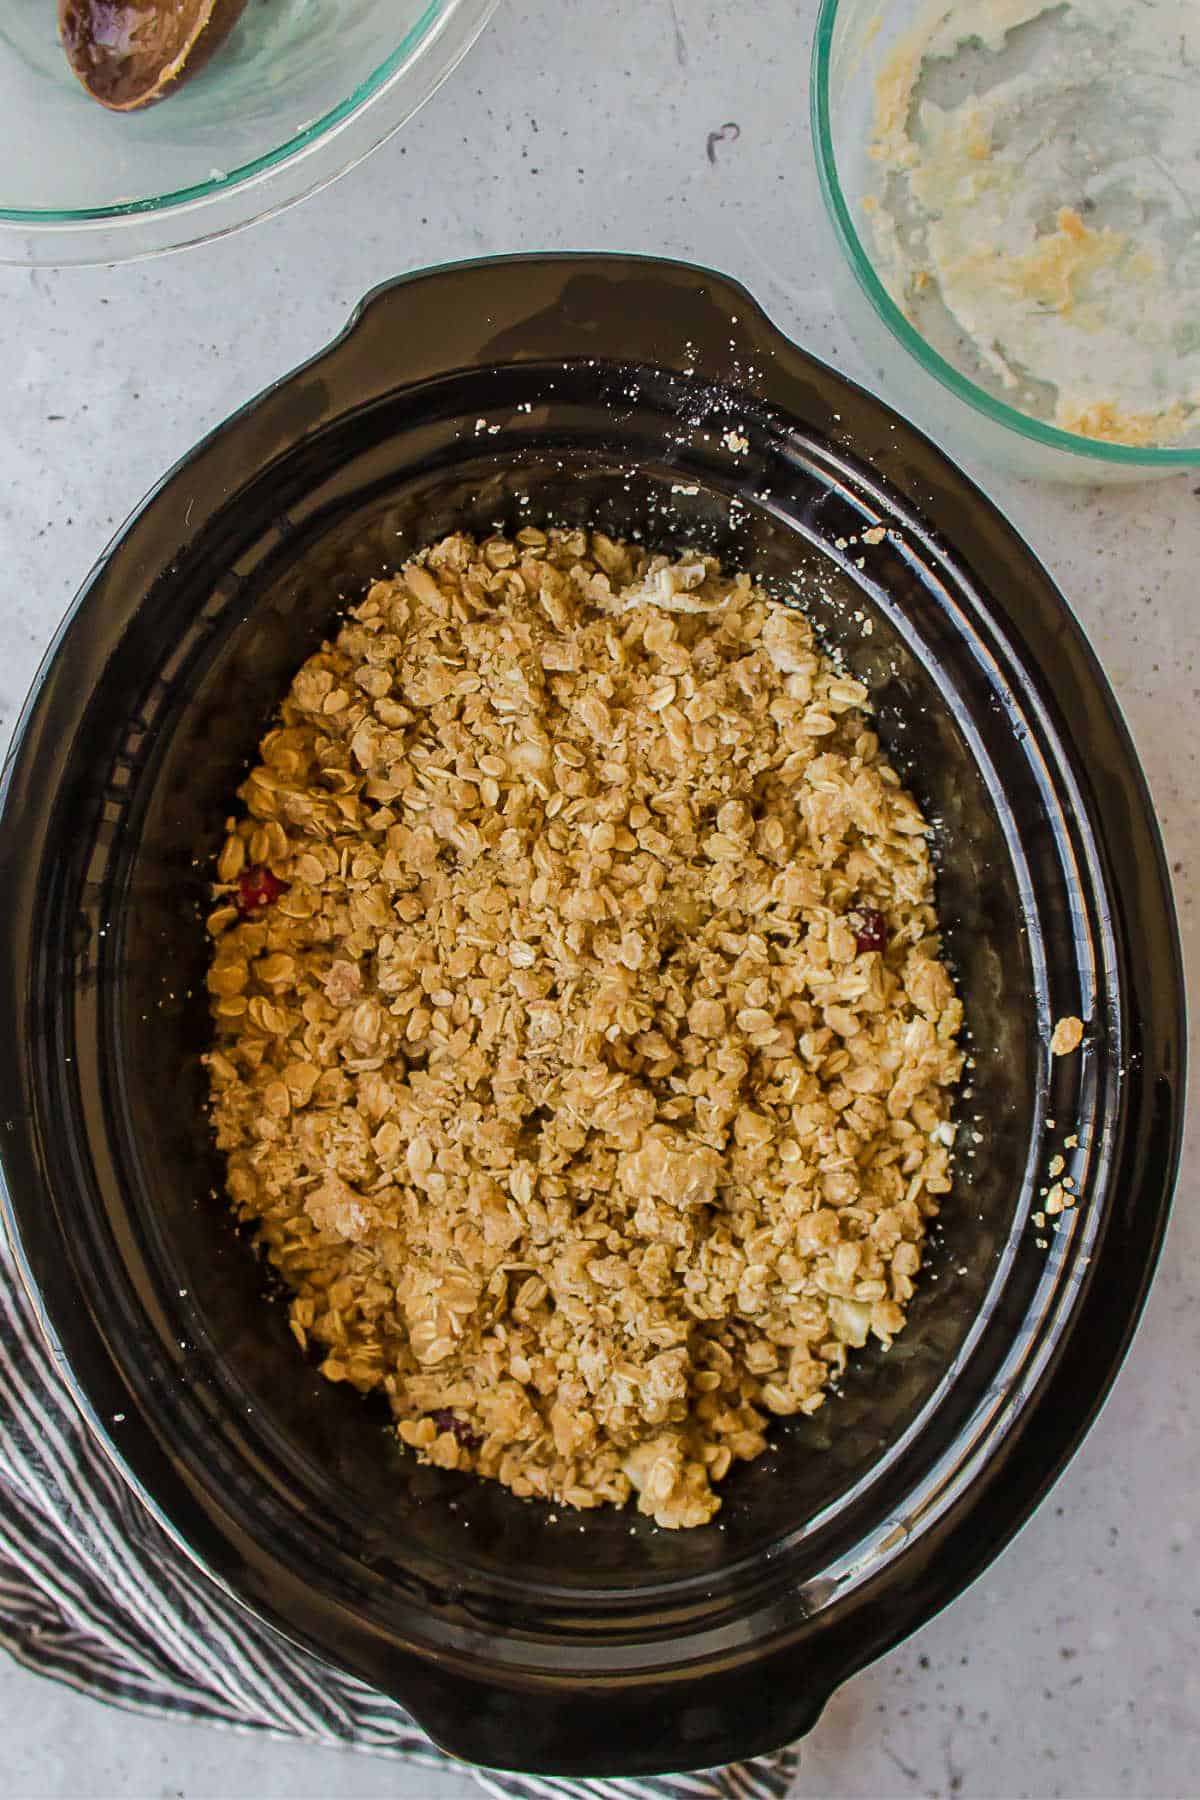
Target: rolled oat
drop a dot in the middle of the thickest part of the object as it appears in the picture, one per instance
(582, 1044)
(1066, 1036)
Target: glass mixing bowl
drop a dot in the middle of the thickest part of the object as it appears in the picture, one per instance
(300, 92)
(1112, 129)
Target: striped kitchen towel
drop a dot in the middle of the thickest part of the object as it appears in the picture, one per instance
(93, 1593)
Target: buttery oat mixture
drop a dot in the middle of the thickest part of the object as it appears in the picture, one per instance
(583, 1050)
(1032, 207)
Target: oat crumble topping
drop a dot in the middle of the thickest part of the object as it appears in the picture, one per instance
(583, 1050)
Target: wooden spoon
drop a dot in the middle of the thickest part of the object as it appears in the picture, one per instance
(130, 53)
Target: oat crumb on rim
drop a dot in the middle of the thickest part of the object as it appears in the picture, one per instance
(583, 1049)
(1066, 1036)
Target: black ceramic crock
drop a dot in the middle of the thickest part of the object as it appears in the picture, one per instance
(651, 398)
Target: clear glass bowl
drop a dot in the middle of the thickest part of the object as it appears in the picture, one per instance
(854, 41)
(301, 91)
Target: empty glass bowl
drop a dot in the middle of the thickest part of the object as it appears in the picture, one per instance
(1072, 191)
(301, 91)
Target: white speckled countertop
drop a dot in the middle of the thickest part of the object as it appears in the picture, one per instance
(1071, 1667)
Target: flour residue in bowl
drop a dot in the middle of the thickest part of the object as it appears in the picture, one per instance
(1037, 212)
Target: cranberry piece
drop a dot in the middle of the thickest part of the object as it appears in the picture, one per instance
(256, 888)
(872, 932)
(445, 1420)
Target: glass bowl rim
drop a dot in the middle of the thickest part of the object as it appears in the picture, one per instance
(1051, 437)
(160, 206)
